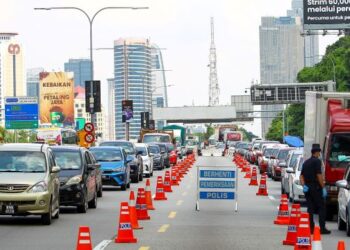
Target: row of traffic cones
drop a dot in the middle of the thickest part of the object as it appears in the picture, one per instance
(131, 212)
(298, 231)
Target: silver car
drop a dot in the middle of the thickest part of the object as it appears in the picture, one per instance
(296, 193)
(290, 163)
(344, 202)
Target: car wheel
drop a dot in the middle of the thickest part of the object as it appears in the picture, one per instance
(83, 207)
(99, 192)
(141, 177)
(128, 185)
(135, 179)
(57, 215)
(282, 189)
(123, 187)
(341, 223)
(148, 175)
(151, 174)
(291, 196)
(347, 224)
(93, 202)
(46, 219)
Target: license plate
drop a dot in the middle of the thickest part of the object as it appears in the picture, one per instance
(105, 177)
(9, 209)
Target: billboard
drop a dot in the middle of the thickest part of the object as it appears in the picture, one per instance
(326, 14)
(128, 111)
(56, 103)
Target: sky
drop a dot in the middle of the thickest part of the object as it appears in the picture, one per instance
(181, 27)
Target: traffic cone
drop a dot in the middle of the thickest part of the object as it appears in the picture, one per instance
(160, 195)
(293, 225)
(316, 239)
(148, 195)
(247, 173)
(174, 180)
(141, 206)
(133, 213)
(262, 187)
(283, 212)
(254, 178)
(341, 245)
(303, 241)
(125, 232)
(84, 239)
(167, 182)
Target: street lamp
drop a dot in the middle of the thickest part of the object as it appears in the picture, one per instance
(91, 20)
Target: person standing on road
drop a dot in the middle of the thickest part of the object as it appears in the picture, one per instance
(311, 179)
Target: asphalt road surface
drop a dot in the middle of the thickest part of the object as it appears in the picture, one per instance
(175, 224)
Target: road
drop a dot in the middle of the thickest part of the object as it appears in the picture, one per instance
(174, 224)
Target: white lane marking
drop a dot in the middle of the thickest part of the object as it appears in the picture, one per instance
(102, 245)
(272, 198)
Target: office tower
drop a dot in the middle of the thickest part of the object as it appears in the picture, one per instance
(33, 81)
(133, 81)
(81, 69)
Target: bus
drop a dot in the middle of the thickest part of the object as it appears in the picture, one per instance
(57, 136)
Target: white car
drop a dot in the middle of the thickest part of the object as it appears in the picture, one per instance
(344, 202)
(142, 149)
(295, 188)
(290, 163)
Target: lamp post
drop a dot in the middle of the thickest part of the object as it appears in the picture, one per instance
(91, 20)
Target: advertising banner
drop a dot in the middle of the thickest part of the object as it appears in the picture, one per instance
(128, 111)
(326, 14)
(56, 102)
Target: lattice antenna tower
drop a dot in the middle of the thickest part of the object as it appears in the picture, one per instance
(214, 90)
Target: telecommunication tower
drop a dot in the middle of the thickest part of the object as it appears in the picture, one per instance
(214, 90)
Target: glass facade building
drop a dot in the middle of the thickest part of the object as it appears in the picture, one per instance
(133, 81)
(33, 81)
(81, 69)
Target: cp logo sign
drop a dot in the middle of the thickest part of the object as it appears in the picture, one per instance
(14, 49)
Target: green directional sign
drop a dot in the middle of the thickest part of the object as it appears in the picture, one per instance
(21, 124)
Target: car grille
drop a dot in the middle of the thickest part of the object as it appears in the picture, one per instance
(13, 188)
(18, 203)
(107, 171)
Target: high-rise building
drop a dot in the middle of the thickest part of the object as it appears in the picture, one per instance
(133, 81)
(111, 109)
(81, 69)
(281, 56)
(33, 81)
(12, 70)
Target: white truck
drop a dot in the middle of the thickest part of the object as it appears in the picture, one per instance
(327, 122)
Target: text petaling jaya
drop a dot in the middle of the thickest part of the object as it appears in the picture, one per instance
(57, 84)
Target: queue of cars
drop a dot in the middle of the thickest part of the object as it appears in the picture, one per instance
(37, 179)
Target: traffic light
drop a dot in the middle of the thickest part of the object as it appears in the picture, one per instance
(144, 119)
(96, 95)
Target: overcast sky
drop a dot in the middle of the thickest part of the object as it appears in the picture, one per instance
(182, 27)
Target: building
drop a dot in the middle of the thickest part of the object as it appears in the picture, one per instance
(133, 81)
(111, 109)
(12, 69)
(33, 81)
(81, 69)
(281, 57)
(79, 111)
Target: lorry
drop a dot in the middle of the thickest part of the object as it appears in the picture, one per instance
(179, 133)
(222, 129)
(152, 135)
(327, 122)
(233, 136)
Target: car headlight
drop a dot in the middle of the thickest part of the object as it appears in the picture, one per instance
(118, 170)
(39, 187)
(74, 180)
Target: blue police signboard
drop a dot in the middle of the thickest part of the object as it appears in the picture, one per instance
(21, 112)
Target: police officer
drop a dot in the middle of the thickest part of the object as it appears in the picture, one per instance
(313, 186)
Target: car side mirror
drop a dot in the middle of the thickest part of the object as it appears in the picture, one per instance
(151, 154)
(91, 167)
(290, 171)
(162, 152)
(55, 169)
(342, 184)
(129, 159)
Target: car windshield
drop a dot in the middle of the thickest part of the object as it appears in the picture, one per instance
(282, 155)
(339, 155)
(156, 138)
(142, 150)
(18, 161)
(154, 149)
(268, 152)
(162, 148)
(102, 154)
(293, 160)
(128, 147)
(300, 164)
(68, 160)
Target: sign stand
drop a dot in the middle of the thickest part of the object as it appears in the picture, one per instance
(213, 183)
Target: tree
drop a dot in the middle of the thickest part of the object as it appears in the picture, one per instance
(210, 131)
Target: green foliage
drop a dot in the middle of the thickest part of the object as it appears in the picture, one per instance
(20, 136)
(210, 131)
(247, 135)
(337, 53)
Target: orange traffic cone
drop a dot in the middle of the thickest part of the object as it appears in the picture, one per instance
(316, 239)
(293, 225)
(167, 182)
(141, 206)
(160, 195)
(262, 187)
(283, 212)
(125, 232)
(254, 178)
(303, 241)
(84, 239)
(148, 195)
(247, 173)
(174, 181)
(132, 211)
(341, 245)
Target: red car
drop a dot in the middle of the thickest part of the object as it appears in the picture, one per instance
(172, 151)
(279, 163)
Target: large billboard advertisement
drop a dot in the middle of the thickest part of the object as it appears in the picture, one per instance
(326, 14)
(57, 98)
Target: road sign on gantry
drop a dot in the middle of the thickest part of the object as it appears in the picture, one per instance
(216, 183)
(21, 112)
